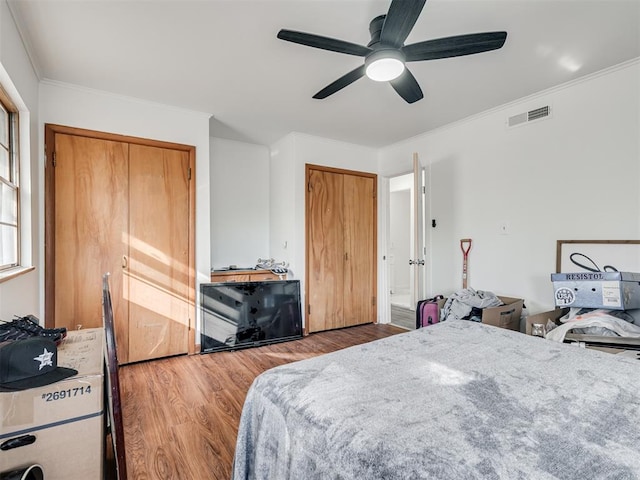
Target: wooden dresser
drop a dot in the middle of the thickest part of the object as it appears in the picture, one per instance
(243, 275)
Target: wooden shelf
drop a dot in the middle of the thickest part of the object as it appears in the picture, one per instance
(243, 276)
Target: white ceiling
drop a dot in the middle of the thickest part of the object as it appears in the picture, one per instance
(223, 58)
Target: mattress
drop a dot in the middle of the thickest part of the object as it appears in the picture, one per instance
(456, 400)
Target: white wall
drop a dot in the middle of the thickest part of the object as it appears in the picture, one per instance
(283, 244)
(96, 110)
(239, 203)
(21, 295)
(574, 175)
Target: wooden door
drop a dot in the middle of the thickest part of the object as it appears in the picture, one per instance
(157, 273)
(91, 212)
(341, 248)
(121, 205)
(325, 251)
(360, 253)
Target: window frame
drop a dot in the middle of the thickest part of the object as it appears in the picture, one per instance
(13, 182)
(22, 162)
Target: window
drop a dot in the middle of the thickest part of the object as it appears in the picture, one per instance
(9, 193)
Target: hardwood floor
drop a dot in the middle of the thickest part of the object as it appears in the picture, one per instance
(181, 414)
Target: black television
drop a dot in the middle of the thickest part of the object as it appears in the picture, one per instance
(249, 314)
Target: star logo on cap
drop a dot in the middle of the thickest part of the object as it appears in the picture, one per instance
(44, 359)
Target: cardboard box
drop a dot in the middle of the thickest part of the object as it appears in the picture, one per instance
(544, 317)
(595, 342)
(64, 420)
(504, 316)
(608, 290)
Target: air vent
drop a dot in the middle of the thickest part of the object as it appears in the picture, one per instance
(529, 116)
(538, 113)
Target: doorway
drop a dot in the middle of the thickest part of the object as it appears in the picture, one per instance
(406, 249)
(400, 240)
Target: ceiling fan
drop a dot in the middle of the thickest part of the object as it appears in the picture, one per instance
(386, 54)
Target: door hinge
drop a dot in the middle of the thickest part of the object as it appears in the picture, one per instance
(189, 173)
(373, 301)
(424, 189)
(53, 161)
(308, 309)
(308, 186)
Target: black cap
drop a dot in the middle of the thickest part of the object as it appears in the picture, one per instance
(29, 363)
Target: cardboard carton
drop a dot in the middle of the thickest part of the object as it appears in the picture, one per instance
(544, 317)
(608, 290)
(504, 316)
(595, 342)
(61, 425)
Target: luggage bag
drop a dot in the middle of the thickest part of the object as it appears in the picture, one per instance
(428, 312)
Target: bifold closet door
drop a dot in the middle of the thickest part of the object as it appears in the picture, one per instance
(157, 268)
(341, 248)
(359, 243)
(91, 221)
(325, 251)
(124, 206)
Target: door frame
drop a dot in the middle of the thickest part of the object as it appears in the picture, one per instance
(421, 235)
(50, 131)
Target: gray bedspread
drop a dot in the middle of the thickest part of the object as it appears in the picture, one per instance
(457, 400)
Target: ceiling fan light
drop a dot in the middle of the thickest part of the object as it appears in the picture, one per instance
(385, 69)
(384, 64)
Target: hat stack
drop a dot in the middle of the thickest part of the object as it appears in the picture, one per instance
(29, 357)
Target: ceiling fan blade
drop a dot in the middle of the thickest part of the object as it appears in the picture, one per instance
(340, 83)
(454, 46)
(324, 43)
(407, 87)
(401, 18)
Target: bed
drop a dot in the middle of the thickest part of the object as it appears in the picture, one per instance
(457, 400)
